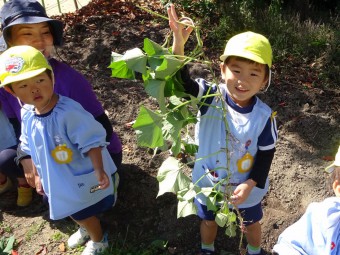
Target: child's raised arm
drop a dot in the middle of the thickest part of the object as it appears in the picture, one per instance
(180, 32)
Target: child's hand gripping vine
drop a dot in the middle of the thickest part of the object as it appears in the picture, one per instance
(181, 32)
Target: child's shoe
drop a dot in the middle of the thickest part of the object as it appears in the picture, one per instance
(96, 248)
(24, 196)
(6, 186)
(78, 238)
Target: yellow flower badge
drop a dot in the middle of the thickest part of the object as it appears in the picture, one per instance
(62, 154)
(245, 163)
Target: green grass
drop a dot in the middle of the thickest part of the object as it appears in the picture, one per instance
(34, 229)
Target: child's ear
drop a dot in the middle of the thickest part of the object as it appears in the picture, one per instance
(223, 67)
(336, 188)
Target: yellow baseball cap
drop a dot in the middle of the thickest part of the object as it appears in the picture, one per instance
(251, 46)
(336, 163)
(20, 63)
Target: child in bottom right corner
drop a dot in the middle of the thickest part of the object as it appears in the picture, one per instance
(317, 232)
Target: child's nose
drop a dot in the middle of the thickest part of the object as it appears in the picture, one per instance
(35, 90)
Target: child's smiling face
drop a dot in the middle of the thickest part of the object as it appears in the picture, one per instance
(244, 79)
(36, 91)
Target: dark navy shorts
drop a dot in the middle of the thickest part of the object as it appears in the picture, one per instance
(93, 210)
(250, 215)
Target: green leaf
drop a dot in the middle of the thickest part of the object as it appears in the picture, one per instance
(231, 230)
(175, 100)
(221, 219)
(171, 178)
(10, 244)
(211, 203)
(191, 149)
(206, 191)
(172, 127)
(155, 88)
(176, 146)
(186, 208)
(135, 60)
(116, 57)
(148, 128)
(232, 217)
(119, 69)
(168, 67)
(187, 194)
(151, 48)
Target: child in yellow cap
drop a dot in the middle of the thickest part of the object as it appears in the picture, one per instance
(67, 146)
(250, 137)
(318, 230)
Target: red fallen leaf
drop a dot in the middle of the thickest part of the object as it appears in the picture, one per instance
(14, 252)
(115, 33)
(328, 158)
(282, 104)
(42, 251)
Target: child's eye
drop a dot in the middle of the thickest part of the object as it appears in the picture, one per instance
(40, 80)
(22, 86)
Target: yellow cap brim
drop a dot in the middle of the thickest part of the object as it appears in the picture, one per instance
(21, 76)
(246, 55)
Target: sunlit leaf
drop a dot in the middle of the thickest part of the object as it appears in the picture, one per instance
(186, 208)
(135, 60)
(148, 128)
(176, 146)
(221, 219)
(187, 194)
(155, 88)
(168, 67)
(151, 48)
(171, 178)
(231, 230)
(172, 127)
(119, 69)
(211, 203)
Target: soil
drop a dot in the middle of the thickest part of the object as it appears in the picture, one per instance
(307, 116)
